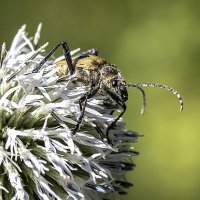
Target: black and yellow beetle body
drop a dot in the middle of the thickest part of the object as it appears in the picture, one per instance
(100, 76)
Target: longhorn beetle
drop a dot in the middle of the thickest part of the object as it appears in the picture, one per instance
(100, 75)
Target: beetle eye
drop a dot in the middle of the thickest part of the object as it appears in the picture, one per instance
(114, 83)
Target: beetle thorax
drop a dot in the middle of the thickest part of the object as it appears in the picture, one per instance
(109, 73)
(113, 82)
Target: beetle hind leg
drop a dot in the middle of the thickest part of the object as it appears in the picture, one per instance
(66, 53)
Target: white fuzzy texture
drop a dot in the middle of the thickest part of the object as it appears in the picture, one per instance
(40, 146)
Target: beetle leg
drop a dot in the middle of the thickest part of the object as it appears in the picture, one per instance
(82, 104)
(98, 129)
(66, 52)
(90, 52)
(82, 100)
(86, 54)
(120, 103)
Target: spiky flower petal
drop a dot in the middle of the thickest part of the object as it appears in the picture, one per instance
(39, 156)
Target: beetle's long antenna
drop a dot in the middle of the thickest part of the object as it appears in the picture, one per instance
(138, 85)
(143, 99)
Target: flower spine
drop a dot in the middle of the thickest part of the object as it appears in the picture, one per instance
(39, 157)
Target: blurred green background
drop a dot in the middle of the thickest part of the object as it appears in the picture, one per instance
(150, 41)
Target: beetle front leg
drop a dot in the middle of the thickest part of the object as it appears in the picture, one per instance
(120, 103)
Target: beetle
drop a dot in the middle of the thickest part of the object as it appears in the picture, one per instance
(101, 76)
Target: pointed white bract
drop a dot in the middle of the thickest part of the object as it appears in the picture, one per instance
(40, 158)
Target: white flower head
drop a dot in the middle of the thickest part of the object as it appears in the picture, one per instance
(40, 157)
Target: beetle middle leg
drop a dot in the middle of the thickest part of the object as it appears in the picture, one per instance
(82, 105)
(66, 52)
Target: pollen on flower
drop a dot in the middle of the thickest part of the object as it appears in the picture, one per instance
(40, 158)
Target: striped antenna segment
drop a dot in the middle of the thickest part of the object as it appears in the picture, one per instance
(138, 85)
